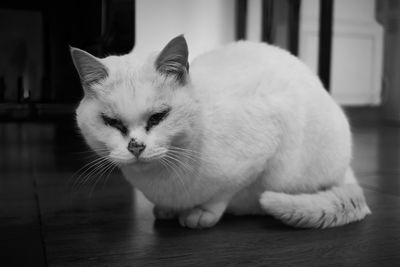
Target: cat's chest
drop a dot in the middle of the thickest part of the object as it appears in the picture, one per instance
(173, 189)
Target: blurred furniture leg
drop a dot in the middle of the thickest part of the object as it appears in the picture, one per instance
(241, 17)
(280, 23)
(388, 14)
(325, 41)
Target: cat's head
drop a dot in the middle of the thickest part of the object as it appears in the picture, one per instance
(137, 108)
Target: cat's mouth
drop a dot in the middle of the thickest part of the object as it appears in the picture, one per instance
(155, 157)
(147, 160)
(142, 160)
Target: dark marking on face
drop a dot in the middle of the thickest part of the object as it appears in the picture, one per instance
(156, 118)
(114, 123)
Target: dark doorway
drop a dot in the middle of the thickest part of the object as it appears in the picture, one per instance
(101, 27)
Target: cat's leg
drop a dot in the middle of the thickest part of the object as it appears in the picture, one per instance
(205, 215)
(163, 213)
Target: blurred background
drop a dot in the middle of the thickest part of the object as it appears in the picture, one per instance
(58, 208)
(353, 45)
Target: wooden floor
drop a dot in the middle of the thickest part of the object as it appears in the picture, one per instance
(47, 220)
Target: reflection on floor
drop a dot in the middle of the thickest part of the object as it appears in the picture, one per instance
(47, 220)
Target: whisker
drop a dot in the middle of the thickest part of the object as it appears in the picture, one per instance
(178, 176)
(191, 153)
(185, 149)
(87, 164)
(99, 176)
(187, 167)
(94, 177)
(85, 168)
(93, 169)
(188, 156)
(115, 165)
(193, 159)
(91, 151)
(172, 166)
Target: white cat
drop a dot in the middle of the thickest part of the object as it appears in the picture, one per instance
(249, 129)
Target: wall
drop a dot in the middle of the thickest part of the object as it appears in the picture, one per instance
(357, 42)
(206, 24)
(357, 47)
(356, 53)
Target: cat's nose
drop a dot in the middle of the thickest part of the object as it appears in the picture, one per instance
(136, 148)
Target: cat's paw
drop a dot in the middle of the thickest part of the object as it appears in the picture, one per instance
(161, 213)
(198, 218)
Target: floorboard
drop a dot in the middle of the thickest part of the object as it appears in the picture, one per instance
(21, 236)
(47, 218)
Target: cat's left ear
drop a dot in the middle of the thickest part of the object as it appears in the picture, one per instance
(173, 59)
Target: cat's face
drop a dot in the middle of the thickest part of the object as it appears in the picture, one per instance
(136, 110)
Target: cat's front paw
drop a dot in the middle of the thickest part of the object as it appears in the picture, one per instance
(164, 213)
(198, 218)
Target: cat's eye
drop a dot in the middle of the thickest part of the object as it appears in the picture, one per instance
(156, 118)
(115, 123)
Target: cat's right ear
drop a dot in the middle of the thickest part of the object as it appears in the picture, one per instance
(91, 71)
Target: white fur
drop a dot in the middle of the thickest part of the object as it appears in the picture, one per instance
(252, 117)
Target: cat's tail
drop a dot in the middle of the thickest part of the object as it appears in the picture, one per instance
(336, 206)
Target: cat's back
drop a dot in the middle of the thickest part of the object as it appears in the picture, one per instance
(249, 90)
(241, 69)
